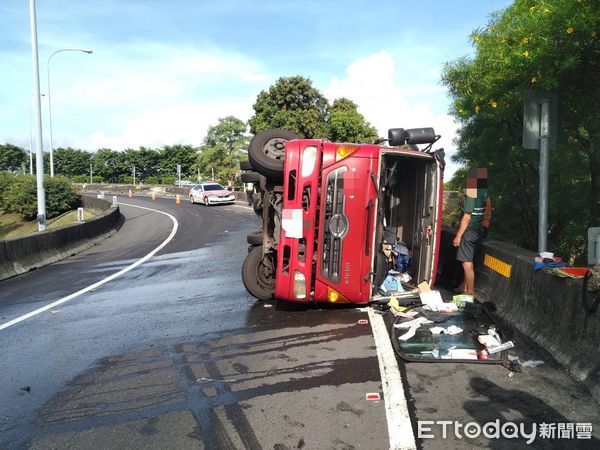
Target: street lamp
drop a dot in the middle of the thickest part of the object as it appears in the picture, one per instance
(84, 50)
(31, 137)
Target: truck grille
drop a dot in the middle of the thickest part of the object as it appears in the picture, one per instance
(334, 206)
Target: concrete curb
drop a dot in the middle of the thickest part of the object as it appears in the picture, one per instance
(20, 255)
(544, 307)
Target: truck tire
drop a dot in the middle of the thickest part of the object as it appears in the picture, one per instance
(245, 165)
(266, 152)
(257, 206)
(258, 274)
(250, 177)
(255, 238)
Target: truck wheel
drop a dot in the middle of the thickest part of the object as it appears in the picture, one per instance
(255, 238)
(258, 274)
(257, 206)
(250, 177)
(245, 165)
(266, 152)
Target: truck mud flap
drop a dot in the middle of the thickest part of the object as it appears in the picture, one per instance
(425, 346)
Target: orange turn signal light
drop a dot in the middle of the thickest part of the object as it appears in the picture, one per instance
(344, 150)
(334, 296)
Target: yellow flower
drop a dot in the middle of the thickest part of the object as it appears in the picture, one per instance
(570, 30)
(533, 80)
(477, 109)
(525, 40)
(546, 10)
(493, 103)
(526, 54)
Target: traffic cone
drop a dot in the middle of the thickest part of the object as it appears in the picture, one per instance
(153, 196)
(130, 194)
(177, 200)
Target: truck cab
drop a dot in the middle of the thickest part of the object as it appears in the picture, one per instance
(337, 216)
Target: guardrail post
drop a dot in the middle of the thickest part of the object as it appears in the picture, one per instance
(79, 214)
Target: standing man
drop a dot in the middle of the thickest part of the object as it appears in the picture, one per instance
(250, 193)
(470, 229)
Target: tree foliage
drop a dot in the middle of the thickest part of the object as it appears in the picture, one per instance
(222, 150)
(12, 158)
(71, 162)
(346, 124)
(534, 45)
(292, 104)
(18, 194)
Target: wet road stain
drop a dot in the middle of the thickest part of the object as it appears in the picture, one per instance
(221, 379)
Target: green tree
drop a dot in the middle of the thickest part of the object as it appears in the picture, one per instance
(71, 162)
(534, 45)
(110, 165)
(12, 158)
(145, 160)
(172, 155)
(348, 125)
(292, 104)
(222, 149)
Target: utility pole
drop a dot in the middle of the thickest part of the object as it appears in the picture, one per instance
(91, 174)
(134, 175)
(41, 195)
(540, 117)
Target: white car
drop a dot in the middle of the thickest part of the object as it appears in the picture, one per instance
(211, 194)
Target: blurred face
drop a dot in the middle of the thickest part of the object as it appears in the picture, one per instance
(476, 179)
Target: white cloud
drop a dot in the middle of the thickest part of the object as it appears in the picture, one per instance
(387, 99)
(153, 96)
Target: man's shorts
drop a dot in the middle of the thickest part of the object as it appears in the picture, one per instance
(468, 243)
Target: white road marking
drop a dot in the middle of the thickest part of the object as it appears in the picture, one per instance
(105, 280)
(396, 408)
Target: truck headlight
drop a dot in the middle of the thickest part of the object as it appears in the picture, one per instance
(309, 158)
(299, 285)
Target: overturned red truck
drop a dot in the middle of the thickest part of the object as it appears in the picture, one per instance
(331, 210)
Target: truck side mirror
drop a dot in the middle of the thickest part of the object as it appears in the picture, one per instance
(396, 136)
(420, 136)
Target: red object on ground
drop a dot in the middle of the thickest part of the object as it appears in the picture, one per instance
(578, 272)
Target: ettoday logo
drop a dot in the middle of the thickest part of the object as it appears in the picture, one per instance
(426, 429)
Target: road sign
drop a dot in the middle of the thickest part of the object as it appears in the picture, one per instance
(532, 119)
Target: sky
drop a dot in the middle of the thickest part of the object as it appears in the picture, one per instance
(162, 72)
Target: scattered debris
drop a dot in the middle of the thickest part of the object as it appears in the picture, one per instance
(204, 380)
(363, 322)
(372, 396)
(501, 347)
(26, 388)
(451, 330)
(532, 363)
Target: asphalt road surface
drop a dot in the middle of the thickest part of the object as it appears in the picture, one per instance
(174, 353)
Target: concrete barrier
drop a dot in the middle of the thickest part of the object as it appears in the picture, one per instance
(20, 255)
(547, 308)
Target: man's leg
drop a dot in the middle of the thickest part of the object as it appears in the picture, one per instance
(469, 277)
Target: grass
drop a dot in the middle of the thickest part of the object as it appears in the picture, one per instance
(13, 225)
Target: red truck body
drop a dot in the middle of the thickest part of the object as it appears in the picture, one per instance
(339, 203)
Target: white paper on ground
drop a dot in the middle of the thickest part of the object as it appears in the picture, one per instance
(432, 299)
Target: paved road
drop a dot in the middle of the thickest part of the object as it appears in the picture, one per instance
(176, 354)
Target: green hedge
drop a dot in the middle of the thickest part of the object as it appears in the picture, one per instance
(18, 194)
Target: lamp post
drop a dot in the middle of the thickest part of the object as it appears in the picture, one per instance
(31, 137)
(41, 194)
(84, 50)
